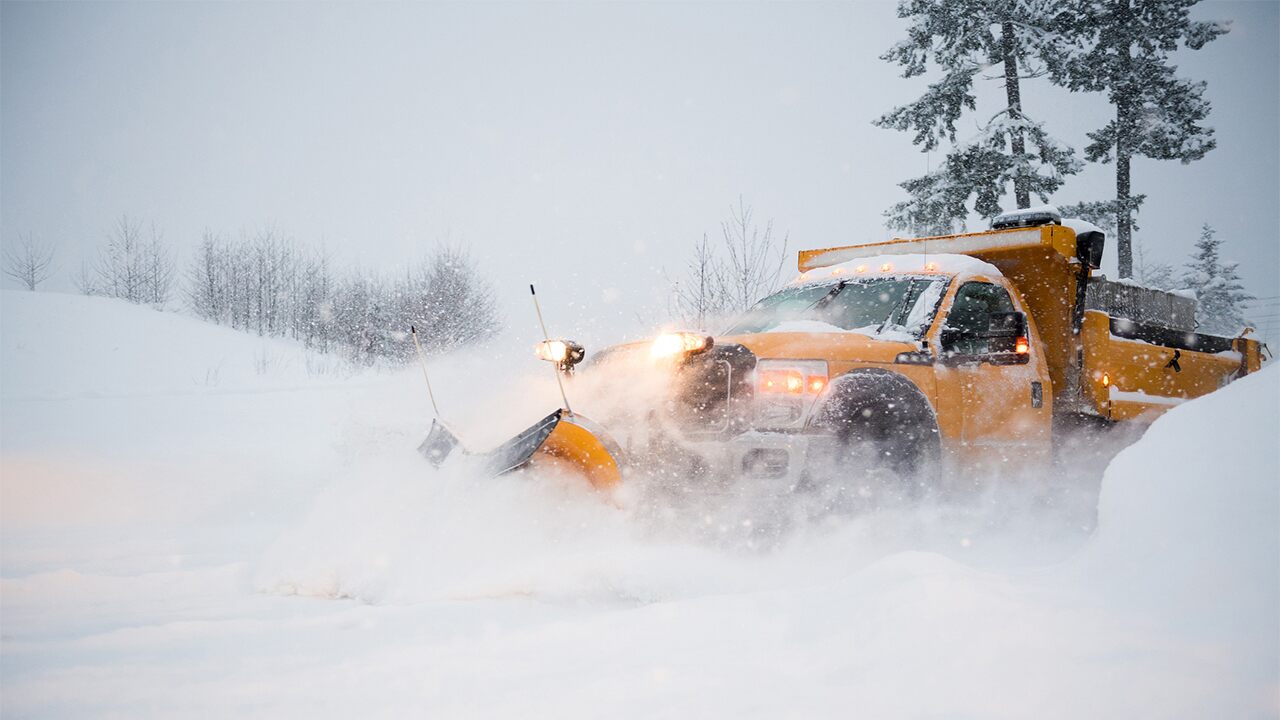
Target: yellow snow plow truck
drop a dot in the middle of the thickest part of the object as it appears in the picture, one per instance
(971, 350)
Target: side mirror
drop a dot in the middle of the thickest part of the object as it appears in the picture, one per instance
(1006, 325)
(951, 335)
(1007, 339)
(1089, 247)
(1005, 336)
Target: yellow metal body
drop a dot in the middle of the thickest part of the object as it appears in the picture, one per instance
(1135, 380)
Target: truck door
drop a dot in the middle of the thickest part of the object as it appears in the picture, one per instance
(1005, 406)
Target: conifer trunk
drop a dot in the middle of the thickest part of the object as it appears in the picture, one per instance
(1014, 93)
(1125, 102)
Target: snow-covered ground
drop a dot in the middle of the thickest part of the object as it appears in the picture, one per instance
(199, 522)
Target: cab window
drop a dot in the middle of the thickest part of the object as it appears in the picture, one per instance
(970, 313)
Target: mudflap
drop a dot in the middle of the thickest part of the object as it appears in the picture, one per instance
(560, 440)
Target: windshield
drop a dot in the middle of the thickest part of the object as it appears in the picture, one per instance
(867, 305)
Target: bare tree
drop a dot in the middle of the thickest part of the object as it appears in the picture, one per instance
(85, 280)
(451, 303)
(754, 259)
(157, 269)
(701, 294)
(30, 263)
(119, 272)
(729, 276)
(207, 291)
(132, 268)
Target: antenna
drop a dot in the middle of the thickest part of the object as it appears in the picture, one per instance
(422, 360)
(547, 337)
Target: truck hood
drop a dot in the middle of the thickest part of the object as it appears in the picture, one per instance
(835, 346)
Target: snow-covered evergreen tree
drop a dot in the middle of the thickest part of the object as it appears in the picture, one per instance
(1220, 296)
(964, 38)
(1122, 47)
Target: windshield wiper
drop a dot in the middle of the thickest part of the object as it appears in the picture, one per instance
(826, 299)
(909, 299)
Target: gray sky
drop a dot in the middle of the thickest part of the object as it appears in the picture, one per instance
(581, 146)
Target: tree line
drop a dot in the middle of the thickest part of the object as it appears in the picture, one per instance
(269, 285)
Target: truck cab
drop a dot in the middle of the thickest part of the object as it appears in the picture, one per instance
(952, 327)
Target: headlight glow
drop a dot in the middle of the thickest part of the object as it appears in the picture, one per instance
(552, 350)
(681, 343)
(564, 353)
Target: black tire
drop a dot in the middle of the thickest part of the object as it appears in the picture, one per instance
(881, 413)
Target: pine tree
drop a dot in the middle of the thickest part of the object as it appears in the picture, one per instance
(1122, 47)
(964, 38)
(1220, 296)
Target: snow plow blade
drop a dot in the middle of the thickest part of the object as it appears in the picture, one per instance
(561, 440)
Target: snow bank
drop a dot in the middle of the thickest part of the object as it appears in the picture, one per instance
(59, 345)
(1189, 518)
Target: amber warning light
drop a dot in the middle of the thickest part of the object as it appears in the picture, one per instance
(791, 382)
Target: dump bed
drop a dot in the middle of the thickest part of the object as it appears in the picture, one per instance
(1137, 370)
(1114, 367)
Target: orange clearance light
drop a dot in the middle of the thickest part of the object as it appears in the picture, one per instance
(860, 268)
(838, 271)
(1106, 379)
(886, 267)
(930, 267)
(816, 383)
(1021, 346)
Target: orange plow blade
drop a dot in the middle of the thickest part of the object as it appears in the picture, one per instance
(561, 440)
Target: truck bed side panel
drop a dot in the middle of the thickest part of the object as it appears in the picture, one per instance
(1132, 379)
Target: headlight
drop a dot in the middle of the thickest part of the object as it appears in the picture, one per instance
(786, 391)
(681, 343)
(565, 353)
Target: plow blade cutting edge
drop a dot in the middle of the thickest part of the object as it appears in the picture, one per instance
(560, 440)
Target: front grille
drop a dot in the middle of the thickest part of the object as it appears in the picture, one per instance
(768, 463)
(713, 391)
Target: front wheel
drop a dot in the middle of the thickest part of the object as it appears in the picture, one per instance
(886, 431)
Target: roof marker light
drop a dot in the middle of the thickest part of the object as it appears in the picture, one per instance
(886, 267)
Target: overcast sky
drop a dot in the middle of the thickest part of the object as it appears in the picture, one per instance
(582, 146)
